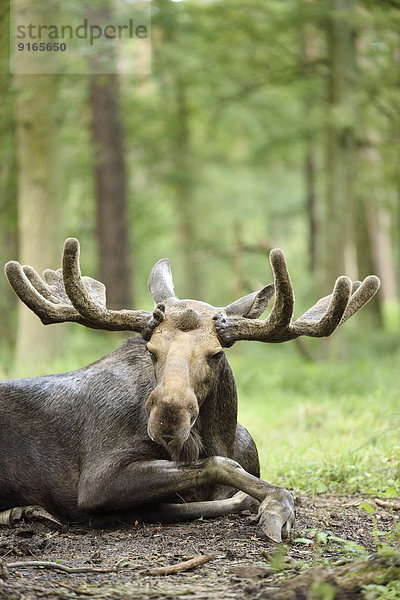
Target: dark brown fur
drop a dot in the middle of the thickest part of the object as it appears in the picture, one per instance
(54, 427)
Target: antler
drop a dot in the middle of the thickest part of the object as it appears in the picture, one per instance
(319, 321)
(64, 295)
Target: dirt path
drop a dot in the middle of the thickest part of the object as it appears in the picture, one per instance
(242, 567)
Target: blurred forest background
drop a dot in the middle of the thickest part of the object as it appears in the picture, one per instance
(263, 124)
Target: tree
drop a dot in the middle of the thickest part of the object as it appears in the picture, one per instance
(110, 177)
(340, 136)
(109, 167)
(8, 184)
(39, 202)
(182, 154)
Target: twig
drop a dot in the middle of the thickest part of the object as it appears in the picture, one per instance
(387, 504)
(53, 565)
(196, 561)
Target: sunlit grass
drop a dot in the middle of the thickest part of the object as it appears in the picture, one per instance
(325, 426)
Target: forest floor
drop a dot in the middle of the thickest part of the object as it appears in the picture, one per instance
(330, 533)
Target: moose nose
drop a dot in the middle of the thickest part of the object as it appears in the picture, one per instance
(167, 438)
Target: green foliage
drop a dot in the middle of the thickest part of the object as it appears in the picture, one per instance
(324, 427)
(320, 590)
(386, 544)
(367, 507)
(277, 560)
(374, 591)
(319, 539)
(216, 141)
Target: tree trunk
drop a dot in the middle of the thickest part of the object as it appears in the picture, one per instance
(309, 51)
(112, 227)
(8, 185)
(311, 206)
(183, 179)
(340, 144)
(379, 226)
(377, 222)
(39, 199)
(340, 150)
(366, 259)
(396, 130)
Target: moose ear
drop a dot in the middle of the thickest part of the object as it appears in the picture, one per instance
(160, 282)
(253, 305)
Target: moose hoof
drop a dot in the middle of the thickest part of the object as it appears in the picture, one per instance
(14, 515)
(276, 515)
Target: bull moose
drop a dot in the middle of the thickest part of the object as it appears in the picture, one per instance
(151, 429)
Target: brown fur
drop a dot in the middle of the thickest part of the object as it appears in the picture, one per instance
(149, 425)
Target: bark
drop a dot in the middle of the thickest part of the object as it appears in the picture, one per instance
(110, 176)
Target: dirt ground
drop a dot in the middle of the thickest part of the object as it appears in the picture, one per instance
(246, 565)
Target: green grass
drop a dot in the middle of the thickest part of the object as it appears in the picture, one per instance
(319, 426)
(325, 426)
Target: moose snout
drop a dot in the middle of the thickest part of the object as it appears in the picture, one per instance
(167, 439)
(170, 419)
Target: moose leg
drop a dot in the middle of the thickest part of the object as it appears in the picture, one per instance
(119, 485)
(185, 511)
(207, 509)
(11, 516)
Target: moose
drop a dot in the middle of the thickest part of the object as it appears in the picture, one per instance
(151, 429)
